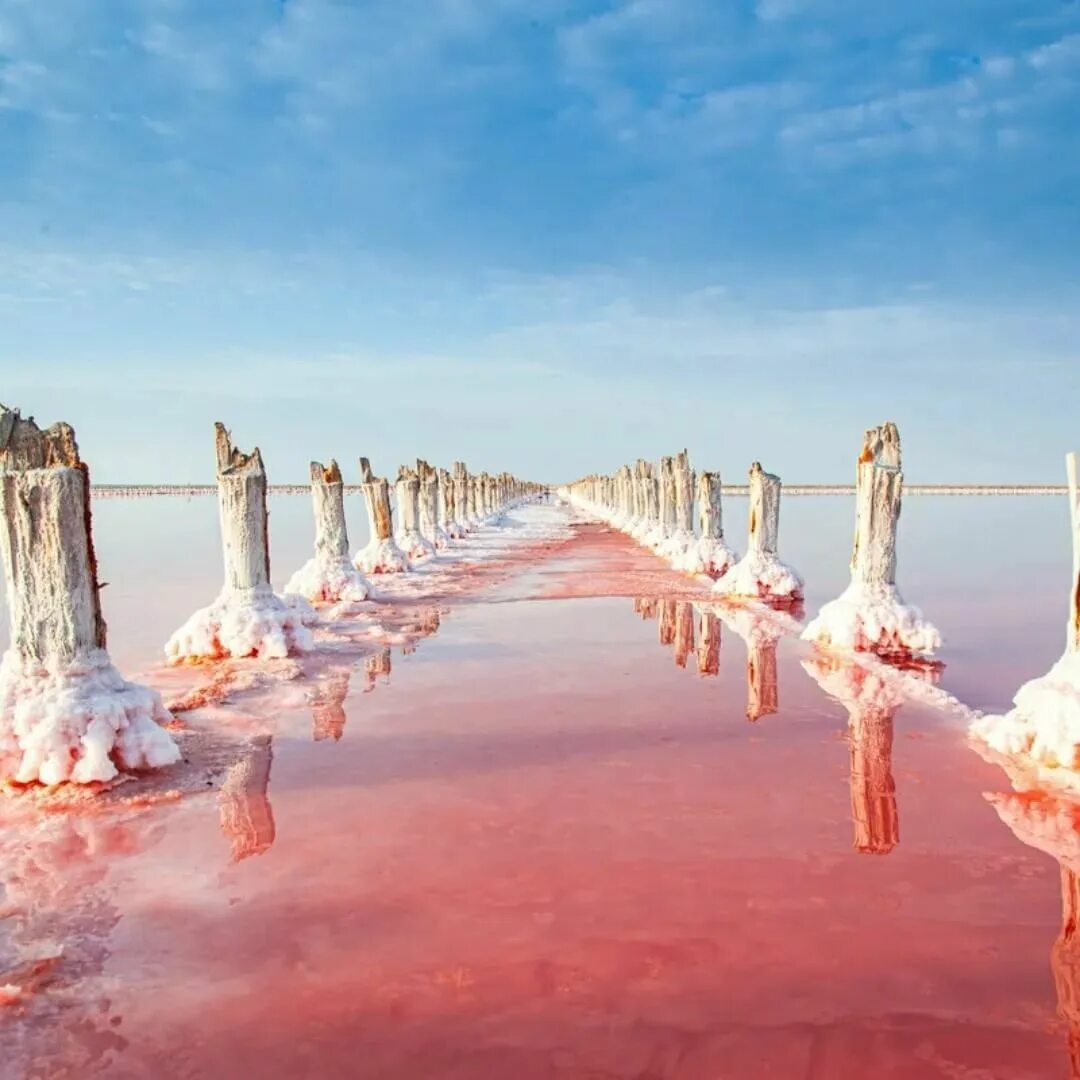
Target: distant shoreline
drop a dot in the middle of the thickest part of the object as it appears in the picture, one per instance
(120, 491)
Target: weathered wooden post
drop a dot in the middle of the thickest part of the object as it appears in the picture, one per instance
(710, 554)
(66, 714)
(247, 619)
(247, 818)
(647, 497)
(449, 510)
(871, 702)
(430, 527)
(870, 614)
(1044, 725)
(760, 574)
(665, 524)
(680, 541)
(407, 496)
(330, 576)
(461, 497)
(382, 555)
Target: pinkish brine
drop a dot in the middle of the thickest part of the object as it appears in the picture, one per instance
(545, 805)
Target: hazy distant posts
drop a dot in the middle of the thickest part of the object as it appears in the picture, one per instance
(871, 614)
(330, 576)
(247, 618)
(65, 711)
(382, 555)
(760, 573)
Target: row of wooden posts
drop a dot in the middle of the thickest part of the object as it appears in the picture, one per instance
(656, 506)
(65, 712)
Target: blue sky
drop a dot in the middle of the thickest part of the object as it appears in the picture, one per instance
(547, 235)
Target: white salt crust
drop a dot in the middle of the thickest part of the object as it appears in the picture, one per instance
(1044, 726)
(78, 720)
(381, 557)
(706, 555)
(255, 623)
(873, 618)
(415, 545)
(333, 581)
(762, 575)
(676, 547)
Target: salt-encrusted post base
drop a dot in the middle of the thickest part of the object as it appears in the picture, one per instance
(247, 619)
(329, 581)
(330, 576)
(760, 574)
(382, 555)
(66, 714)
(1044, 725)
(409, 537)
(706, 556)
(248, 623)
(873, 618)
(870, 615)
(77, 720)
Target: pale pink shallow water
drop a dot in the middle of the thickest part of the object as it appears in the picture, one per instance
(540, 848)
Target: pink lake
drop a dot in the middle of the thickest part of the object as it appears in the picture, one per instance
(541, 842)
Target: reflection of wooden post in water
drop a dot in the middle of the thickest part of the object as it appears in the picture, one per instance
(667, 622)
(708, 650)
(684, 632)
(1065, 964)
(762, 691)
(873, 790)
(247, 817)
(424, 626)
(871, 703)
(328, 706)
(646, 606)
(376, 664)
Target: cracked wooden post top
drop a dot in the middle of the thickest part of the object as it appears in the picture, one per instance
(47, 541)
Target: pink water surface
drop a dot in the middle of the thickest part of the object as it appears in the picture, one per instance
(544, 844)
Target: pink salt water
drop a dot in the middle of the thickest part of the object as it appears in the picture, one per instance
(534, 840)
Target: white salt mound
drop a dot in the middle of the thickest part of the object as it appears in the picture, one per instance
(335, 581)
(706, 556)
(874, 619)
(78, 721)
(1044, 726)
(250, 623)
(760, 574)
(381, 557)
